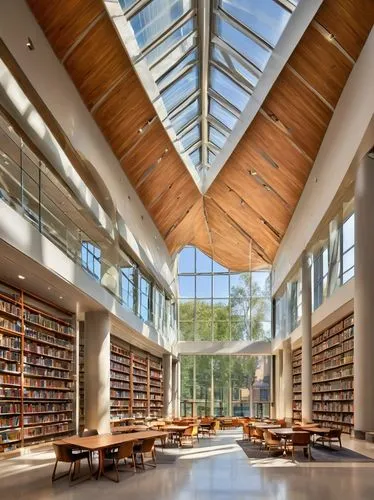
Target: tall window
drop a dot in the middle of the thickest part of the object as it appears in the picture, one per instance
(218, 304)
(320, 276)
(347, 249)
(144, 298)
(295, 304)
(128, 286)
(158, 307)
(91, 259)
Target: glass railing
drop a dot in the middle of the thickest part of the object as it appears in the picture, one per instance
(37, 196)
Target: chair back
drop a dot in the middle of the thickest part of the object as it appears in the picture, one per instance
(195, 430)
(188, 431)
(269, 437)
(334, 433)
(63, 453)
(125, 450)
(89, 432)
(301, 439)
(147, 445)
(213, 425)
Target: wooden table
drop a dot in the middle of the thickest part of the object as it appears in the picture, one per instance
(122, 429)
(266, 426)
(285, 433)
(102, 442)
(320, 431)
(176, 429)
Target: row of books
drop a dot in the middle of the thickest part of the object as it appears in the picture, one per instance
(6, 422)
(15, 326)
(46, 407)
(335, 351)
(331, 396)
(119, 367)
(119, 350)
(47, 362)
(119, 394)
(6, 408)
(332, 341)
(10, 379)
(140, 373)
(48, 323)
(10, 355)
(155, 365)
(120, 359)
(141, 361)
(333, 406)
(45, 384)
(46, 419)
(10, 392)
(117, 384)
(339, 373)
(336, 385)
(155, 374)
(45, 372)
(50, 339)
(155, 397)
(138, 379)
(338, 417)
(45, 430)
(47, 351)
(340, 360)
(11, 342)
(48, 395)
(10, 308)
(9, 436)
(8, 366)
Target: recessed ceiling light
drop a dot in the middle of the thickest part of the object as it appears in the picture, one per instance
(21, 277)
(49, 288)
(61, 297)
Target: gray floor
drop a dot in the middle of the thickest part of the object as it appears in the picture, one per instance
(215, 469)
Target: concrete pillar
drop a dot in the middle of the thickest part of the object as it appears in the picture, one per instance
(167, 362)
(306, 332)
(287, 380)
(364, 299)
(97, 371)
(176, 388)
(212, 387)
(279, 401)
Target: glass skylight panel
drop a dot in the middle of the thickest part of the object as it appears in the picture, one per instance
(216, 137)
(196, 157)
(211, 157)
(174, 56)
(191, 137)
(155, 18)
(185, 116)
(228, 89)
(181, 89)
(244, 45)
(232, 64)
(173, 73)
(126, 4)
(169, 42)
(266, 18)
(222, 114)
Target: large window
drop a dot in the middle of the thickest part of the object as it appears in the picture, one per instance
(347, 249)
(144, 297)
(225, 385)
(128, 286)
(320, 276)
(91, 259)
(218, 304)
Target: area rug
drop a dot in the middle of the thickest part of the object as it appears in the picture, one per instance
(319, 453)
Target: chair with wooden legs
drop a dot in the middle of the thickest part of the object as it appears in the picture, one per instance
(123, 452)
(301, 440)
(257, 435)
(246, 432)
(146, 446)
(334, 435)
(65, 454)
(272, 442)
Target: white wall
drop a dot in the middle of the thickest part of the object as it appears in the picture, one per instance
(54, 86)
(341, 142)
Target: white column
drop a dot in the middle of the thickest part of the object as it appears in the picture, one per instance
(364, 299)
(212, 387)
(306, 332)
(97, 371)
(175, 388)
(287, 380)
(168, 390)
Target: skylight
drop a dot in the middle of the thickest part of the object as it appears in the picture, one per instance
(201, 62)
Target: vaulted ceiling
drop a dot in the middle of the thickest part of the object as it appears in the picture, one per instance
(252, 199)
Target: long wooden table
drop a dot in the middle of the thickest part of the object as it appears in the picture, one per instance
(176, 429)
(285, 433)
(122, 429)
(103, 442)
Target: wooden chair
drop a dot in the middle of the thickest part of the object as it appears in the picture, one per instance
(208, 430)
(123, 452)
(65, 454)
(271, 442)
(146, 446)
(188, 435)
(257, 435)
(246, 432)
(301, 440)
(334, 435)
(89, 433)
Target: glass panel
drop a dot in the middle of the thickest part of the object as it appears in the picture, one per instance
(203, 330)
(211, 157)
(234, 65)
(185, 116)
(244, 45)
(203, 262)
(348, 275)
(228, 89)
(186, 260)
(173, 73)
(267, 18)
(203, 310)
(181, 89)
(349, 233)
(222, 114)
(238, 330)
(203, 286)
(221, 330)
(187, 309)
(170, 41)
(217, 268)
(186, 331)
(187, 377)
(126, 4)
(348, 260)
(221, 285)
(186, 286)
(191, 137)
(196, 157)
(216, 137)
(260, 283)
(156, 17)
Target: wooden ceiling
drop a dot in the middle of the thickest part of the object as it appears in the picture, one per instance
(251, 202)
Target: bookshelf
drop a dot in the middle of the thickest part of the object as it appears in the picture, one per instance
(296, 384)
(332, 377)
(36, 370)
(81, 376)
(135, 383)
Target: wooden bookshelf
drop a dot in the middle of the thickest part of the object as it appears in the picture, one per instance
(332, 377)
(36, 370)
(296, 384)
(81, 376)
(135, 383)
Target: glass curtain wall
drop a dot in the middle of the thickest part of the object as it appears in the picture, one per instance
(218, 304)
(225, 385)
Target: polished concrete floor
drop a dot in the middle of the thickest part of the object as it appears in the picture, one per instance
(216, 468)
